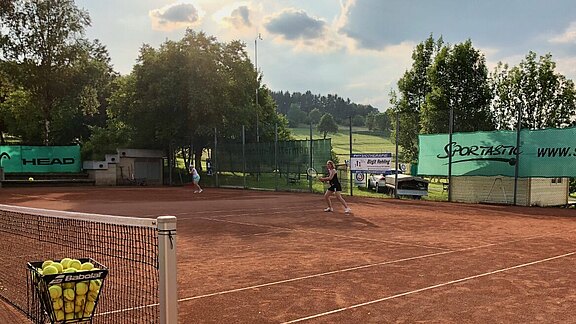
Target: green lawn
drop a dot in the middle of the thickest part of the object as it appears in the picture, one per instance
(361, 143)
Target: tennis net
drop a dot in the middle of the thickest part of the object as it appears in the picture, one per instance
(139, 253)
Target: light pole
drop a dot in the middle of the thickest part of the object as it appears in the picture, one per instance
(259, 37)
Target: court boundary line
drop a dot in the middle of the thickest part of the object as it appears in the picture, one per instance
(428, 288)
(351, 269)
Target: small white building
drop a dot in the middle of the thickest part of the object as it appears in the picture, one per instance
(140, 166)
(128, 167)
(500, 190)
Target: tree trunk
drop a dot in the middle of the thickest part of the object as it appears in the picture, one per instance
(198, 158)
(46, 132)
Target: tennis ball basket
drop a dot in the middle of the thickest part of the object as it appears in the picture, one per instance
(64, 291)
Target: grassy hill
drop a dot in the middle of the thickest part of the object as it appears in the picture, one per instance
(361, 141)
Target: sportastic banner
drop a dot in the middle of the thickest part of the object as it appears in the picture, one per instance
(40, 159)
(542, 153)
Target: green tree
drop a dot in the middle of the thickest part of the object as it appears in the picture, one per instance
(459, 81)
(546, 98)
(382, 122)
(179, 93)
(358, 121)
(327, 125)
(413, 88)
(315, 116)
(295, 115)
(46, 56)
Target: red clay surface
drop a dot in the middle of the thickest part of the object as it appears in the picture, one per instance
(266, 257)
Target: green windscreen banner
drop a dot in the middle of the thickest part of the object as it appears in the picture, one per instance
(40, 159)
(542, 153)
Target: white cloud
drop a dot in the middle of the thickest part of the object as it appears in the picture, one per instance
(176, 16)
(568, 37)
(294, 24)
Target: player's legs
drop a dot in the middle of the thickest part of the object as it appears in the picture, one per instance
(327, 196)
(196, 181)
(342, 201)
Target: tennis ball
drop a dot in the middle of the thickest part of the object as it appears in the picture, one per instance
(55, 292)
(92, 295)
(58, 304)
(46, 263)
(95, 285)
(89, 307)
(59, 315)
(69, 316)
(30, 179)
(69, 294)
(50, 270)
(75, 264)
(81, 288)
(58, 266)
(79, 309)
(64, 262)
(87, 266)
(69, 307)
(80, 300)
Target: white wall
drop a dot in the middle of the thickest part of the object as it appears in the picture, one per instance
(499, 190)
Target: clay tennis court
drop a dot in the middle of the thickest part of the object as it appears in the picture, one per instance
(267, 257)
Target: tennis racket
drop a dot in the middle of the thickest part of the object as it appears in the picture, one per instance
(312, 173)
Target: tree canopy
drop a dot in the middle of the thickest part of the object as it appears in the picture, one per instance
(58, 77)
(545, 97)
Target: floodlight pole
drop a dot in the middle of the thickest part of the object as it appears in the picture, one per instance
(259, 37)
(450, 131)
(516, 167)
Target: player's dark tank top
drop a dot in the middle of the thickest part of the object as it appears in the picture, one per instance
(334, 179)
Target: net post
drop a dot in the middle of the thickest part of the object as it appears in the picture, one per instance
(167, 269)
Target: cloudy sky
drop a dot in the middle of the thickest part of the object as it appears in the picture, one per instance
(357, 49)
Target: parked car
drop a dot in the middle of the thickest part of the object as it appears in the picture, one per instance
(377, 181)
(410, 186)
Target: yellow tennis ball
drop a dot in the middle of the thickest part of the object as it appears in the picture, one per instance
(95, 285)
(80, 300)
(87, 266)
(89, 307)
(58, 304)
(81, 288)
(55, 291)
(92, 295)
(69, 316)
(50, 270)
(59, 315)
(64, 262)
(46, 263)
(69, 307)
(30, 179)
(69, 294)
(75, 264)
(79, 309)
(58, 266)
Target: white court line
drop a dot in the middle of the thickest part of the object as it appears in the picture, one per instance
(313, 276)
(355, 268)
(427, 288)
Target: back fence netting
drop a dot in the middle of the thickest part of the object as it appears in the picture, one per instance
(276, 165)
(128, 246)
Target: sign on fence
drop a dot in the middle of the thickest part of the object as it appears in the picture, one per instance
(41, 159)
(370, 162)
(542, 153)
